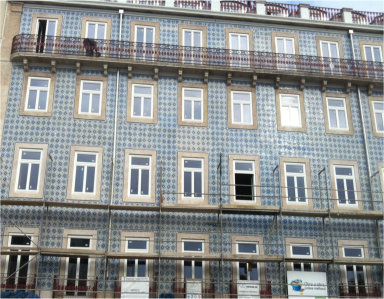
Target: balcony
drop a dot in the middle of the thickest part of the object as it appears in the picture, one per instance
(112, 53)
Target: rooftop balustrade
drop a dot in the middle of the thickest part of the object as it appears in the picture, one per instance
(27, 45)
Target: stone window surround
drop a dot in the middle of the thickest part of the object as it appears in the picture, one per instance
(228, 31)
(308, 181)
(44, 152)
(256, 163)
(103, 98)
(296, 241)
(93, 150)
(369, 43)
(337, 40)
(203, 30)
(381, 175)
(182, 122)
(346, 97)
(86, 19)
(232, 88)
(334, 200)
(37, 16)
(280, 127)
(140, 119)
(295, 37)
(152, 196)
(194, 155)
(373, 119)
(156, 25)
(260, 242)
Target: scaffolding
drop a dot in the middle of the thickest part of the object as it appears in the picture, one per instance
(326, 209)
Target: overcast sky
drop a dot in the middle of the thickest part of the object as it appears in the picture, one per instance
(363, 5)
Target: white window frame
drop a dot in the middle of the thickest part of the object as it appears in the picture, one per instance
(38, 90)
(242, 104)
(141, 96)
(145, 32)
(136, 259)
(97, 24)
(371, 47)
(29, 162)
(253, 172)
(291, 108)
(194, 101)
(344, 178)
(247, 253)
(50, 37)
(238, 40)
(329, 48)
(193, 261)
(25, 249)
(310, 246)
(193, 170)
(296, 175)
(91, 93)
(379, 112)
(354, 266)
(337, 109)
(140, 168)
(285, 44)
(85, 164)
(239, 59)
(192, 31)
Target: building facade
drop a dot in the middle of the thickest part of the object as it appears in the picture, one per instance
(192, 148)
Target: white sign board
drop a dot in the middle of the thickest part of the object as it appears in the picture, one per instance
(248, 288)
(194, 289)
(135, 287)
(307, 284)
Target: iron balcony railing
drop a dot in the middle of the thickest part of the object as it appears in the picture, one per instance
(197, 57)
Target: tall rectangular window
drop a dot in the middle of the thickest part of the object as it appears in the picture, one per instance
(345, 184)
(330, 52)
(285, 52)
(244, 174)
(144, 42)
(77, 267)
(46, 32)
(37, 94)
(193, 178)
(29, 168)
(239, 49)
(193, 269)
(290, 110)
(337, 114)
(95, 34)
(251, 270)
(140, 175)
(355, 274)
(373, 53)
(137, 267)
(295, 179)
(85, 172)
(192, 43)
(96, 30)
(241, 107)
(90, 97)
(378, 112)
(302, 251)
(142, 101)
(192, 104)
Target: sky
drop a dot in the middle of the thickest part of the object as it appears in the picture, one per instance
(362, 5)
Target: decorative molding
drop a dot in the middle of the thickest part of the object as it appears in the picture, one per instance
(324, 86)
(180, 75)
(229, 79)
(254, 80)
(348, 87)
(105, 66)
(53, 66)
(277, 82)
(206, 74)
(130, 69)
(78, 68)
(370, 89)
(26, 65)
(302, 84)
(156, 74)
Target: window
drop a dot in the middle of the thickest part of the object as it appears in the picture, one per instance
(28, 175)
(247, 271)
(137, 267)
(90, 101)
(285, 45)
(193, 269)
(239, 43)
(295, 181)
(345, 184)
(192, 38)
(78, 267)
(242, 108)
(192, 104)
(142, 101)
(302, 251)
(290, 110)
(330, 49)
(84, 173)
(46, 32)
(337, 114)
(376, 106)
(140, 175)
(145, 35)
(95, 33)
(373, 53)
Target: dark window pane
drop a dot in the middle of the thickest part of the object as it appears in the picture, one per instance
(352, 252)
(130, 268)
(296, 266)
(244, 188)
(343, 171)
(301, 250)
(22, 185)
(72, 267)
(79, 242)
(134, 181)
(350, 274)
(187, 184)
(198, 184)
(351, 191)
(86, 158)
(20, 240)
(187, 269)
(243, 271)
(307, 267)
(12, 264)
(31, 155)
(79, 178)
(83, 271)
(340, 190)
(291, 188)
(32, 99)
(141, 268)
(301, 188)
(246, 248)
(294, 168)
(254, 273)
(145, 182)
(90, 179)
(43, 100)
(193, 246)
(140, 161)
(246, 166)
(198, 269)
(192, 164)
(34, 176)
(137, 244)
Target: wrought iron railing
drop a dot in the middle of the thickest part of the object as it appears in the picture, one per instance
(195, 56)
(193, 4)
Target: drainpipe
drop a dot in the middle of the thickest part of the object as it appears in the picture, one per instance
(107, 245)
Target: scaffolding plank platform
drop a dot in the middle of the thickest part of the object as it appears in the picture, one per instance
(252, 258)
(189, 256)
(190, 208)
(359, 261)
(132, 255)
(15, 251)
(21, 202)
(356, 214)
(317, 260)
(304, 213)
(68, 252)
(129, 207)
(250, 209)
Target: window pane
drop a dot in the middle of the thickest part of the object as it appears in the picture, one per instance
(34, 176)
(192, 163)
(246, 248)
(140, 34)
(241, 96)
(187, 269)
(79, 242)
(134, 181)
(351, 191)
(51, 28)
(20, 240)
(137, 244)
(85, 102)
(86, 158)
(301, 250)
(140, 89)
(187, 38)
(377, 54)
(289, 46)
(244, 42)
(101, 31)
(289, 100)
(90, 179)
(353, 252)
(43, 100)
(246, 166)
(335, 103)
(247, 114)
(149, 37)
(340, 190)
(296, 266)
(307, 267)
(95, 103)
(237, 113)
(197, 111)
(342, 119)
(368, 53)
(31, 155)
(343, 171)
(91, 30)
(254, 275)
(192, 93)
(140, 161)
(324, 49)
(332, 118)
(334, 52)
(193, 246)
(378, 106)
(147, 107)
(91, 86)
(243, 271)
(280, 45)
(196, 39)
(39, 83)
(291, 188)
(187, 184)
(198, 269)
(294, 168)
(131, 268)
(79, 178)
(198, 184)
(145, 182)
(301, 188)
(141, 268)
(234, 42)
(137, 106)
(187, 109)
(379, 121)
(22, 184)
(32, 99)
